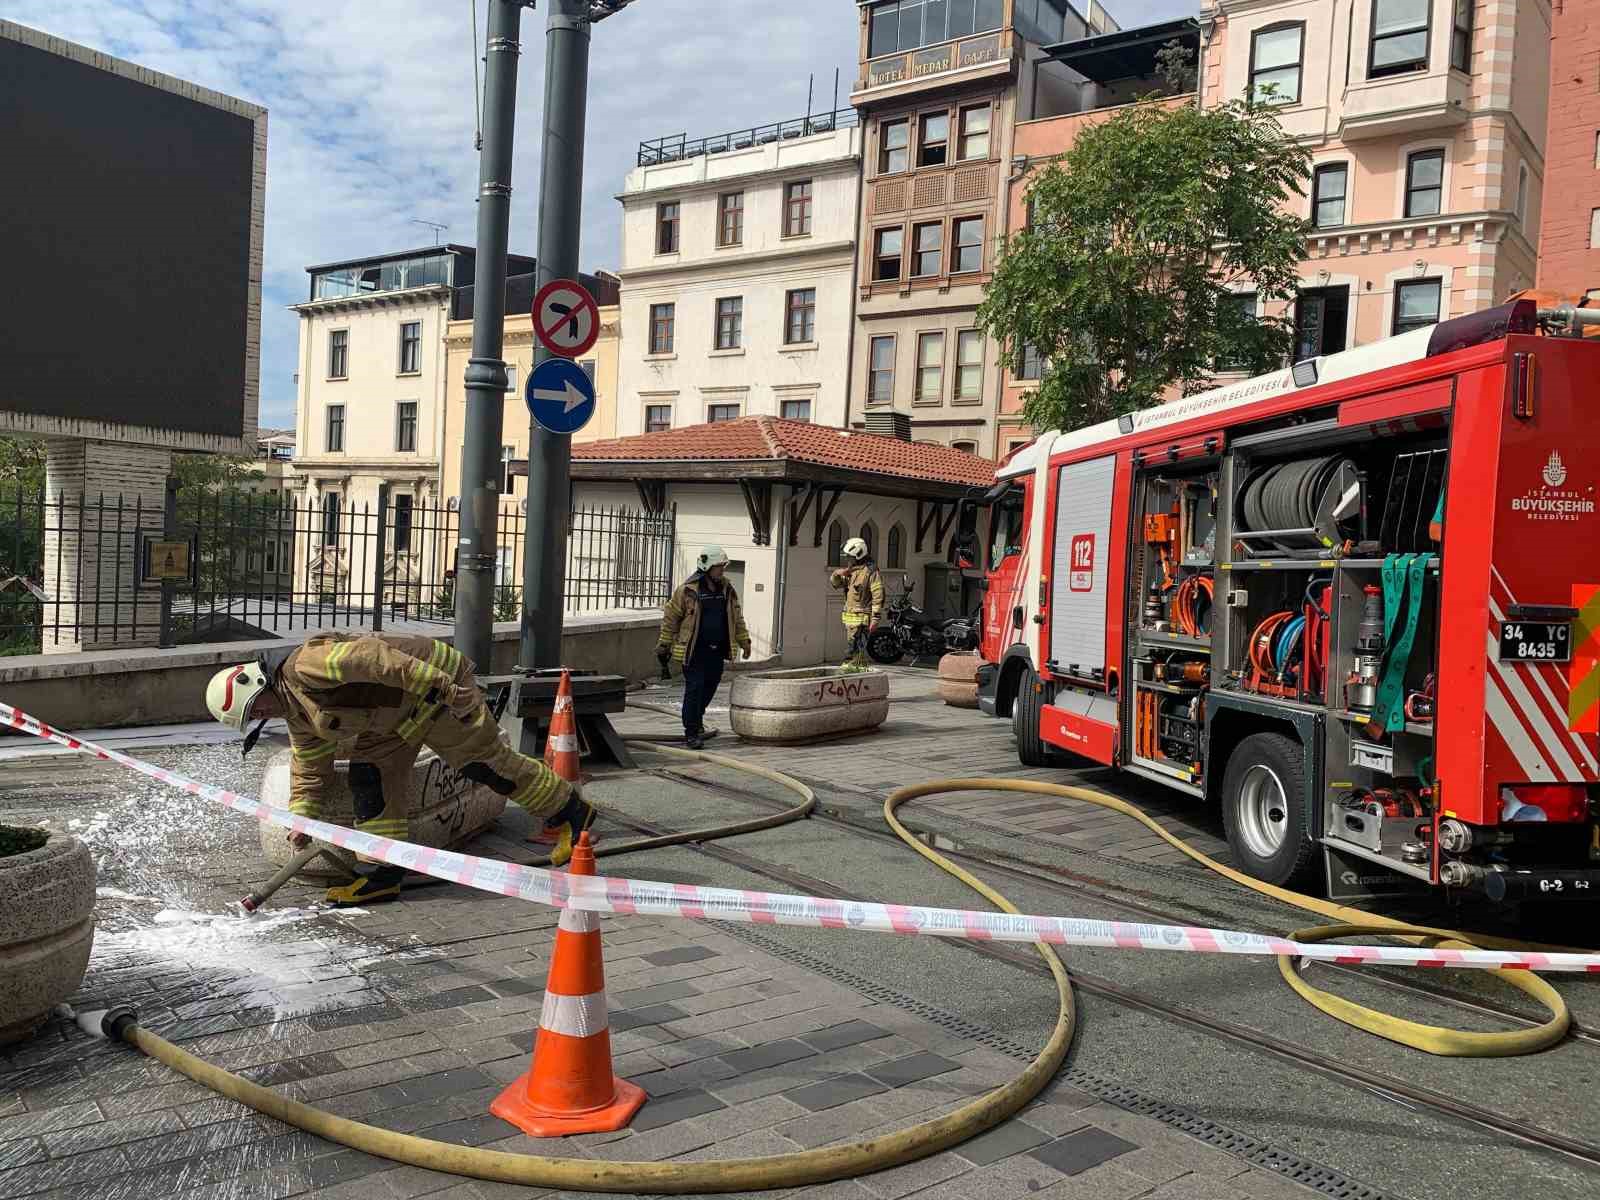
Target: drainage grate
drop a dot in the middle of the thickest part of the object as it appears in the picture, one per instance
(1251, 1150)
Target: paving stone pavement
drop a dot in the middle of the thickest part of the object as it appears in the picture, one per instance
(414, 1016)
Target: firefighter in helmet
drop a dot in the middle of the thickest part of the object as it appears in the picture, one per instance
(378, 699)
(700, 626)
(862, 584)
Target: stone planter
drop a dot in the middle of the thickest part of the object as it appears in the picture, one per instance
(446, 809)
(958, 679)
(46, 931)
(808, 704)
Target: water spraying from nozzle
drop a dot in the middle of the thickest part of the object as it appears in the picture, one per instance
(102, 1023)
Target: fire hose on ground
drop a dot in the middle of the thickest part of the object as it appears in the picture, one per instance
(910, 1144)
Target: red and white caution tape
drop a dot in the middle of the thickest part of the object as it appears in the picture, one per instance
(609, 894)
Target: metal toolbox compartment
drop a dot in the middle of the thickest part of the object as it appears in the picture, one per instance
(1372, 756)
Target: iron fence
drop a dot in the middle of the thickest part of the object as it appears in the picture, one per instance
(267, 565)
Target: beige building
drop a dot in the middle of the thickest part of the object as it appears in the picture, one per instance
(737, 258)
(370, 405)
(270, 473)
(940, 92)
(371, 409)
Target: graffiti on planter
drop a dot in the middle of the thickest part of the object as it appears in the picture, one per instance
(848, 690)
(446, 787)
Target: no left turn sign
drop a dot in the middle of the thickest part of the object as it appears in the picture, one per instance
(565, 318)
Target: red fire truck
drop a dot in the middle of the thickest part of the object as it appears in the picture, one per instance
(1355, 601)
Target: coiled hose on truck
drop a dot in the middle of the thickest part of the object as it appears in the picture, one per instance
(918, 1141)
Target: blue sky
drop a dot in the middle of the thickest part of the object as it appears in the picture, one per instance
(370, 109)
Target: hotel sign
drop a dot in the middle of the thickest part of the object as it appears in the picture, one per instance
(935, 60)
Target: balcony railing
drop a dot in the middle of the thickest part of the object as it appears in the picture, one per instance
(678, 146)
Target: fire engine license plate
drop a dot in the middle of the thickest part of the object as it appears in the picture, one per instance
(1535, 641)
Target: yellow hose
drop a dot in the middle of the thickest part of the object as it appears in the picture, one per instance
(1430, 1038)
(919, 1141)
(678, 1178)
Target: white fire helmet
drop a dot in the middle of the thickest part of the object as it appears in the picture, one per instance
(855, 548)
(233, 690)
(712, 556)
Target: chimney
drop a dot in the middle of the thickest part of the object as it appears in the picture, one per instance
(889, 422)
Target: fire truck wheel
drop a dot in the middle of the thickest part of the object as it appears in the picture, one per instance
(1263, 808)
(1031, 750)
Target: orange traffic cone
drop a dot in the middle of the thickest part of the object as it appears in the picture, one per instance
(560, 751)
(561, 747)
(569, 1086)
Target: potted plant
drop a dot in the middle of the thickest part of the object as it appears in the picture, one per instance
(46, 924)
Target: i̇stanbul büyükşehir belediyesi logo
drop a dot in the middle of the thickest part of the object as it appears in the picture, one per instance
(1555, 471)
(1551, 502)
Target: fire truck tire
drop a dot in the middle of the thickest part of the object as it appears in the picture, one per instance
(1031, 750)
(1262, 810)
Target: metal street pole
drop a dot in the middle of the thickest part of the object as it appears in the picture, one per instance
(566, 90)
(486, 371)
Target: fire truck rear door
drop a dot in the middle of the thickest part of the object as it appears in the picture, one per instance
(1079, 568)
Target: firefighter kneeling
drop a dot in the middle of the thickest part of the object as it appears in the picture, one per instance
(381, 699)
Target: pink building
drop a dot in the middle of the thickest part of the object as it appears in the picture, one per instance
(1569, 246)
(1427, 148)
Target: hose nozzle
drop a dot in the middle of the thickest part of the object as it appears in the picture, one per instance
(107, 1023)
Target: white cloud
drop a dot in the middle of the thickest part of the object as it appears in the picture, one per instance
(370, 109)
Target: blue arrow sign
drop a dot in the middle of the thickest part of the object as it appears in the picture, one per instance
(560, 396)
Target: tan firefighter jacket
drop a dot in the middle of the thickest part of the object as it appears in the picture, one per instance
(863, 592)
(680, 621)
(338, 687)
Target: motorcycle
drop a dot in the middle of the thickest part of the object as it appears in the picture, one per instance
(905, 629)
(961, 634)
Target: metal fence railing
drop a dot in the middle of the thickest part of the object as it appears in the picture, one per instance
(680, 145)
(267, 565)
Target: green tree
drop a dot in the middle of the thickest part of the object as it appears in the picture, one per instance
(1123, 278)
(211, 472)
(211, 498)
(231, 524)
(21, 543)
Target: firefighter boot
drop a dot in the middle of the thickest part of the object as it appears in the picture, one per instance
(373, 888)
(571, 820)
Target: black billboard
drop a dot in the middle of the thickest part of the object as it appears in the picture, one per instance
(129, 211)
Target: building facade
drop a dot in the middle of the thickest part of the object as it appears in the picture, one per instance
(371, 407)
(941, 89)
(782, 498)
(1427, 149)
(1569, 243)
(737, 253)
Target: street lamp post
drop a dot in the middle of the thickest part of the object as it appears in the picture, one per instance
(478, 544)
(566, 90)
(549, 506)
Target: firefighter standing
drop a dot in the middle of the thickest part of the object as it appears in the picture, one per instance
(862, 584)
(381, 699)
(700, 627)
